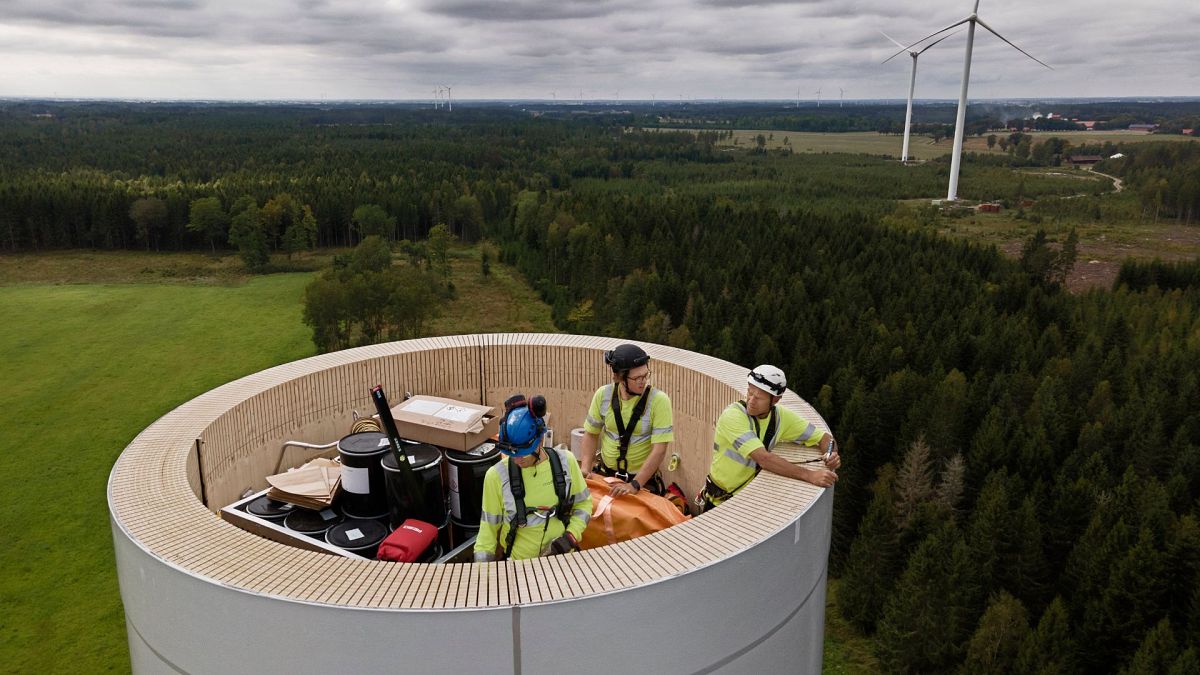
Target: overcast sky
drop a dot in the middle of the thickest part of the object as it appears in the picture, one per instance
(602, 49)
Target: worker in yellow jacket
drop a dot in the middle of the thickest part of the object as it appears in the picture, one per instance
(535, 500)
(632, 423)
(748, 430)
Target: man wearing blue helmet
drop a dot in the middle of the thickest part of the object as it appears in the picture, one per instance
(535, 500)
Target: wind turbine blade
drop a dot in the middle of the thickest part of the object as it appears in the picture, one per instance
(934, 34)
(931, 44)
(901, 46)
(1010, 44)
(902, 51)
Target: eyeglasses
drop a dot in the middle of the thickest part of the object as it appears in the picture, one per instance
(640, 379)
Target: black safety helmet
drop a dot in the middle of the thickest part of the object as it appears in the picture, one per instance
(626, 357)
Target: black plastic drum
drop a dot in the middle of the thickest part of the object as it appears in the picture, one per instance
(269, 509)
(358, 536)
(465, 472)
(460, 533)
(312, 523)
(363, 492)
(426, 463)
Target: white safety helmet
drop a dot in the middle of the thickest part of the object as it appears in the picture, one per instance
(768, 378)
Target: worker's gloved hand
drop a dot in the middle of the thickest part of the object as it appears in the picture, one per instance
(564, 544)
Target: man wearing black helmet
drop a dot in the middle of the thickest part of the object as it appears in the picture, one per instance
(635, 420)
(747, 432)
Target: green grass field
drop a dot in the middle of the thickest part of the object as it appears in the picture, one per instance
(89, 366)
(921, 147)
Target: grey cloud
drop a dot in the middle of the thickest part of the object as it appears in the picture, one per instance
(523, 10)
(703, 48)
(741, 47)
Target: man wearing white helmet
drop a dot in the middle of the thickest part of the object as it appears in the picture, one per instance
(748, 430)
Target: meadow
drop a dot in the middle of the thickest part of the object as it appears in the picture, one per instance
(88, 367)
(922, 147)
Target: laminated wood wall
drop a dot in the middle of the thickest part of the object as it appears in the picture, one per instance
(163, 491)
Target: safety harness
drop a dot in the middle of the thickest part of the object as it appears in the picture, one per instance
(516, 484)
(625, 433)
(711, 489)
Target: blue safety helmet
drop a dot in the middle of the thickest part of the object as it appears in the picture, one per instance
(521, 433)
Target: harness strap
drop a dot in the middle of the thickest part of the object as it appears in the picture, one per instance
(625, 433)
(714, 491)
(516, 484)
(772, 425)
(565, 507)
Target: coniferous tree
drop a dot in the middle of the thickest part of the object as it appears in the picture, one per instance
(914, 483)
(874, 559)
(1003, 628)
(1156, 654)
(1050, 648)
(1188, 662)
(930, 615)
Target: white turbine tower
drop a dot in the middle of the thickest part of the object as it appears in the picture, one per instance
(960, 123)
(912, 84)
(818, 93)
(449, 101)
(841, 96)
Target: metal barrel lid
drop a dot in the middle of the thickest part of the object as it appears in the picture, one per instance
(308, 521)
(421, 456)
(364, 443)
(265, 507)
(356, 533)
(484, 452)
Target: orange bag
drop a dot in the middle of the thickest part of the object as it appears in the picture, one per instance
(625, 517)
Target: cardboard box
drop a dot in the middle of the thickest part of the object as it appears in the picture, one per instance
(445, 422)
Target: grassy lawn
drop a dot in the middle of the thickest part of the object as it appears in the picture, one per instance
(500, 303)
(922, 147)
(89, 366)
(96, 346)
(1104, 243)
(855, 142)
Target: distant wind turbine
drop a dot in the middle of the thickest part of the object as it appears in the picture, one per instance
(449, 101)
(797, 97)
(912, 83)
(960, 123)
(841, 96)
(818, 93)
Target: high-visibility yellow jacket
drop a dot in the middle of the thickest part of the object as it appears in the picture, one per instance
(655, 426)
(542, 525)
(739, 433)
